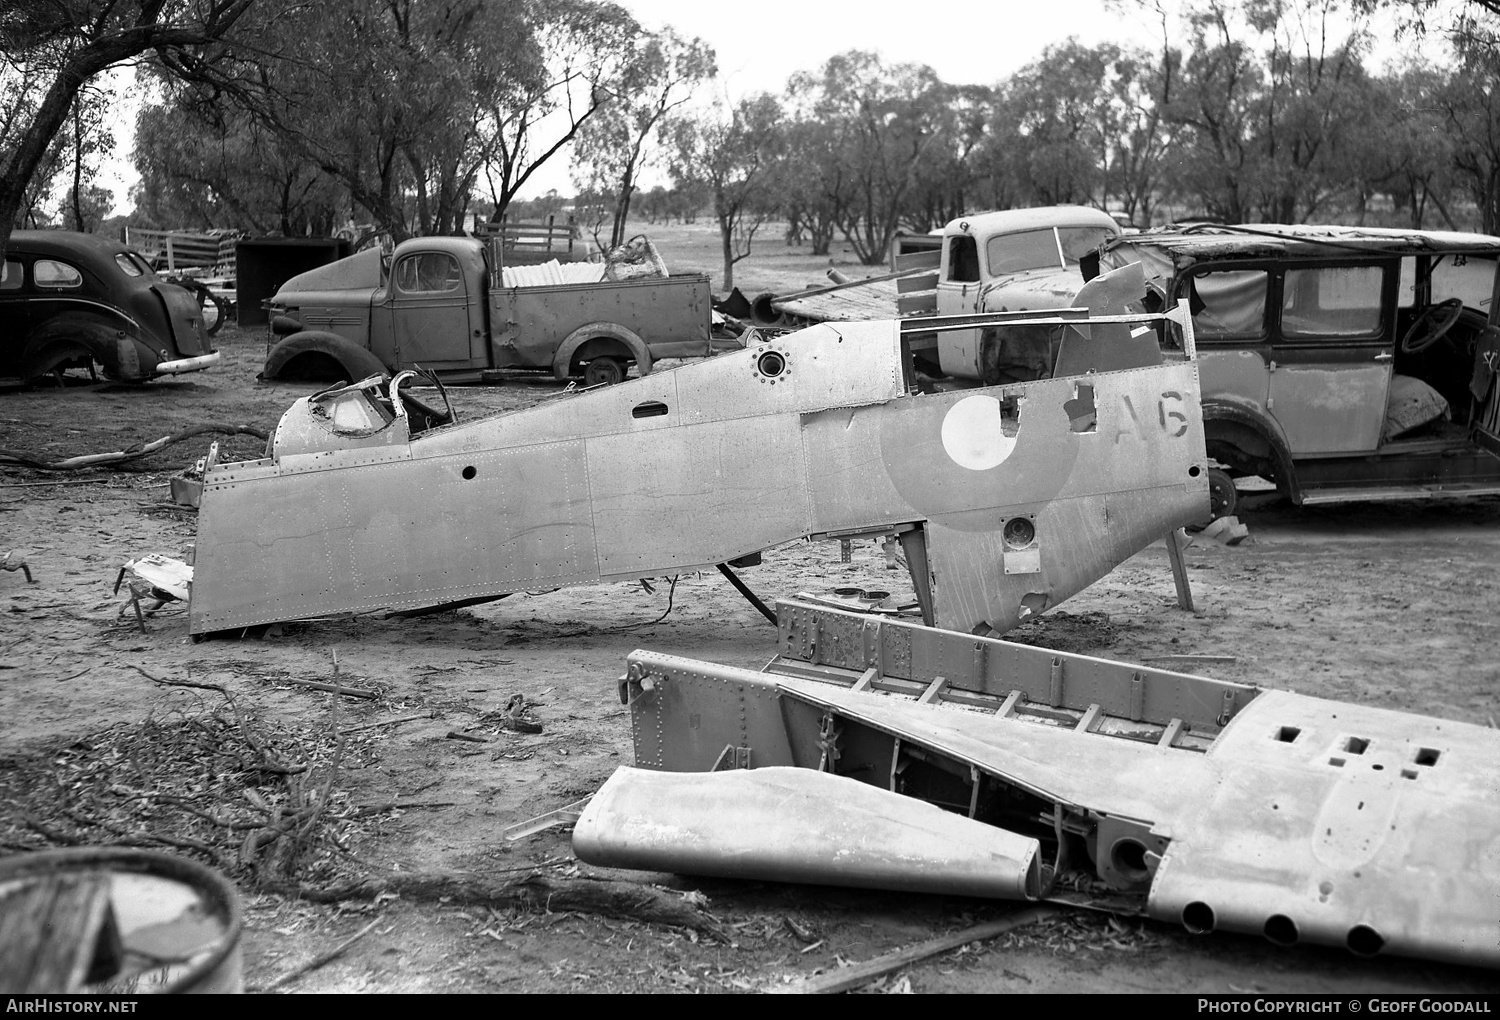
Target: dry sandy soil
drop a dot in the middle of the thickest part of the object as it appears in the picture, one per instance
(1391, 605)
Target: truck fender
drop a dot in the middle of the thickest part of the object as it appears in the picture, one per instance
(1242, 425)
(318, 356)
(69, 336)
(611, 336)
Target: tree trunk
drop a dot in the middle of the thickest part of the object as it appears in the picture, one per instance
(726, 240)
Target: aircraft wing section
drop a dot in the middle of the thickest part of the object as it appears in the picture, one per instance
(1215, 805)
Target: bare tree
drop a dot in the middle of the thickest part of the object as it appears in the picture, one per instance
(623, 137)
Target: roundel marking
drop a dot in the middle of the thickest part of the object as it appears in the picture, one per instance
(972, 434)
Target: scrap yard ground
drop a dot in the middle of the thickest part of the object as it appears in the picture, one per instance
(398, 816)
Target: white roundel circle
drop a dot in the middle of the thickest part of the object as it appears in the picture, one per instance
(972, 435)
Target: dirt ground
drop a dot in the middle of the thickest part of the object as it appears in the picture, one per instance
(1384, 604)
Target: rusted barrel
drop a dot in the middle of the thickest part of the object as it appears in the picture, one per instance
(117, 920)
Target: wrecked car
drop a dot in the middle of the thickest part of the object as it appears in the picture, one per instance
(883, 754)
(82, 303)
(1340, 363)
(1005, 499)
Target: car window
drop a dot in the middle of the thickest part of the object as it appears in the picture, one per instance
(1079, 241)
(1227, 304)
(429, 272)
(1029, 249)
(1466, 277)
(963, 259)
(1331, 301)
(1469, 277)
(125, 263)
(10, 275)
(56, 275)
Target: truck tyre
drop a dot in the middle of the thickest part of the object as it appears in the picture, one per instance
(604, 372)
(316, 356)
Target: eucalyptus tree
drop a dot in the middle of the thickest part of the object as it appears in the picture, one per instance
(212, 165)
(876, 127)
(631, 131)
(52, 50)
(734, 154)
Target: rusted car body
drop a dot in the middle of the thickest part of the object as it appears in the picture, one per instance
(82, 301)
(1005, 499)
(1061, 777)
(1342, 363)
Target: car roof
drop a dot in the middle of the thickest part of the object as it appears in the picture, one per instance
(1012, 220)
(88, 249)
(1212, 243)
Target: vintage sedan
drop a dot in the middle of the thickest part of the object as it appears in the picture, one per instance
(1341, 363)
(83, 303)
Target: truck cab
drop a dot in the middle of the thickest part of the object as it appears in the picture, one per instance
(1011, 261)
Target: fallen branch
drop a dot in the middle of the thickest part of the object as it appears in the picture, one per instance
(353, 692)
(361, 810)
(133, 453)
(321, 959)
(387, 722)
(610, 897)
(846, 978)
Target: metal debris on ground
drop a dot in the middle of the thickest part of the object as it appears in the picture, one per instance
(15, 559)
(155, 577)
(1109, 785)
(1226, 531)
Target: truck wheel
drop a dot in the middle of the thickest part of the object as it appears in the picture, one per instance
(604, 372)
(316, 356)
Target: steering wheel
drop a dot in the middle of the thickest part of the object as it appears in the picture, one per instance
(1436, 321)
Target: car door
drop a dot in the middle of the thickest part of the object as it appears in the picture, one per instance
(1469, 283)
(958, 289)
(15, 315)
(430, 310)
(1331, 352)
(1230, 327)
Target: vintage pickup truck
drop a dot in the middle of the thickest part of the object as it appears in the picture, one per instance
(441, 304)
(1015, 260)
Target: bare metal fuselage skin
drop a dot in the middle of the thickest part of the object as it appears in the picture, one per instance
(1216, 805)
(819, 433)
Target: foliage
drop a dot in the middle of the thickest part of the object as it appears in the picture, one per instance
(52, 51)
(629, 133)
(206, 167)
(868, 137)
(732, 154)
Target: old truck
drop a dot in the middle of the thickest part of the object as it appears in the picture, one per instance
(443, 304)
(1015, 260)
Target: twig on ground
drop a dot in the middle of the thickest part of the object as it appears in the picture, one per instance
(846, 978)
(322, 958)
(386, 722)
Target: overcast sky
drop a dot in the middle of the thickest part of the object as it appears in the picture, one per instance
(968, 42)
(760, 43)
